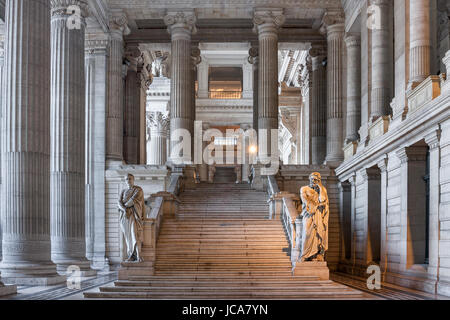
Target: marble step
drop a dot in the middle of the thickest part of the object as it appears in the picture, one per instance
(237, 295)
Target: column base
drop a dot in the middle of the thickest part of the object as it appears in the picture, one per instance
(39, 274)
(133, 269)
(312, 269)
(84, 265)
(101, 264)
(7, 290)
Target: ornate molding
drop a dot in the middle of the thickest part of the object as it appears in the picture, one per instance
(253, 55)
(96, 47)
(158, 121)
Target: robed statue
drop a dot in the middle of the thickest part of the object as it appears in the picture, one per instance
(315, 214)
(131, 214)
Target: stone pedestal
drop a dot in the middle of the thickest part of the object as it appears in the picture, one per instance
(26, 148)
(312, 269)
(135, 269)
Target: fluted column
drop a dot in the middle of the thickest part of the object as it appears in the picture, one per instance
(353, 43)
(26, 146)
(319, 106)
(158, 124)
(2, 98)
(334, 22)
(67, 162)
(114, 112)
(132, 108)
(382, 61)
(96, 66)
(254, 60)
(267, 23)
(196, 59)
(181, 25)
(420, 42)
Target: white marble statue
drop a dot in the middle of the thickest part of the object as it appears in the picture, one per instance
(131, 214)
(159, 67)
(315, 216)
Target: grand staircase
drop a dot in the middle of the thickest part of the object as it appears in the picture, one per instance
(223, 247)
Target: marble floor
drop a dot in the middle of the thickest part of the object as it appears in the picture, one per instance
(62, 292)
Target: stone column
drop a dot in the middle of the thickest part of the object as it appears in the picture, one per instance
(413, 206)
(96, 66)
(353, 43)
(382, 61)
(267, 23)
(334, 22)
(319, 106)
(114, 112)
(159, 125)
(202, 77)
(26, 146)
(433, 139)
(420, 42)
(67, 161)
(132, 108)
(195, 60)
(383, 166)
(254, 60)
(181, 25)
(2, 98)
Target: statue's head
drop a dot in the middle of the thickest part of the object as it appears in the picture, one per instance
(315, 178)
(130, 180)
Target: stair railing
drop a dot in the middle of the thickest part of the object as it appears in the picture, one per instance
(283, 204)
(161, 205)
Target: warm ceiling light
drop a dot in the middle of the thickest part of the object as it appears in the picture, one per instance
(253, 149)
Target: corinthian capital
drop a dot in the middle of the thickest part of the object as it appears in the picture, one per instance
(333, 17)
(118, 23)
(181, 20)
(158, 121)
(268, 19)
(69, 8)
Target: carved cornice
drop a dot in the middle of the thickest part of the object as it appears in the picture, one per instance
(68, 8)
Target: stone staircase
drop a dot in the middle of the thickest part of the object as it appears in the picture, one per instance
(223, 247)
